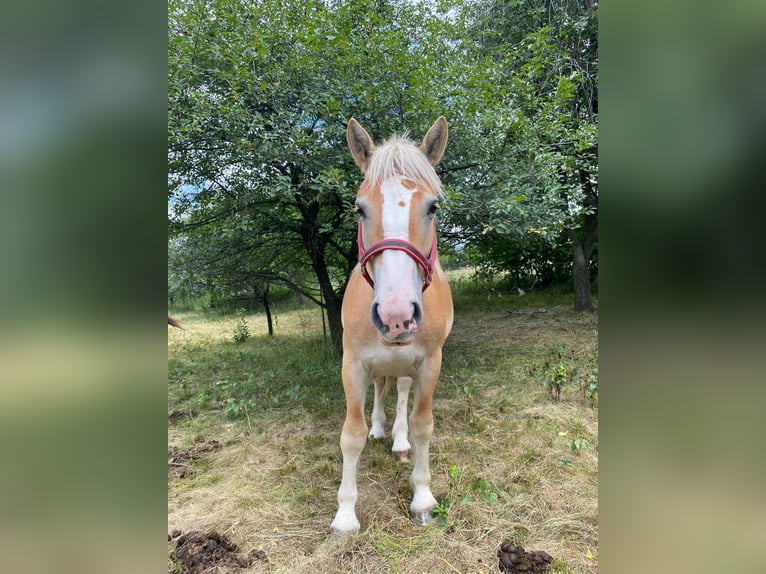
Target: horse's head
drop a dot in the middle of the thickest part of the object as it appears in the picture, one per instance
(397, 203)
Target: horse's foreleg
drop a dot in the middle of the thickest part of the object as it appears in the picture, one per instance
(402, 450)
(352, 441)
(378, 430)
(421, 429)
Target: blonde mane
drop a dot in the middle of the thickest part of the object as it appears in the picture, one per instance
(399, 155)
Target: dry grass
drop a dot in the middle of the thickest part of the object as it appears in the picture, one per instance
(501, 448)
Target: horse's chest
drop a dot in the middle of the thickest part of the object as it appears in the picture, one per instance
(395, 361)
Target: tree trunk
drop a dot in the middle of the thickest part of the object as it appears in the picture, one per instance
(334, 321)
(324, 320)
(267, 308)
(332, 300)
(580, 275)
(316, 244)
(332, 304)
(581, 253)
(584, 243)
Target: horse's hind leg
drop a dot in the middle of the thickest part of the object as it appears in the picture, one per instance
(378, 430)
(402, 450)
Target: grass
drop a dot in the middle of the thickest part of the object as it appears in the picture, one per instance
(506, 460)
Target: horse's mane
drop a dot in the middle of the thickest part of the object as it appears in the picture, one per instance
(399, 155)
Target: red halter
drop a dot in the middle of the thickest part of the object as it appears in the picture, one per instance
(427, 263)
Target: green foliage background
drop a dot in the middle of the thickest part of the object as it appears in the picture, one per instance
(261, 182)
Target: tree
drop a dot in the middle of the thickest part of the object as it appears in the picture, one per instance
(259, 97)
(532, 156)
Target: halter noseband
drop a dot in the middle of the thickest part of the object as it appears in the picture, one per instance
(427, 263)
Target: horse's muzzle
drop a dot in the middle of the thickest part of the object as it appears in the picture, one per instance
(397, 324)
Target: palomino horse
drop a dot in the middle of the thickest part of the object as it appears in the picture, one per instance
(397, 310)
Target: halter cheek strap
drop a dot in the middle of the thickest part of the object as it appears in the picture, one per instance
(427, 263)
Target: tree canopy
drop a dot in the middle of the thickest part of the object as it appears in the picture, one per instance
(261, 184)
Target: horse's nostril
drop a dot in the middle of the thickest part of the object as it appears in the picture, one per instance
(417, 312)
(377, 320)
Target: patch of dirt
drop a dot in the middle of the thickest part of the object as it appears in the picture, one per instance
(179, 460)
(513, 559)
(493, 329)
(524, 312)
(175, 416)
(211, 553)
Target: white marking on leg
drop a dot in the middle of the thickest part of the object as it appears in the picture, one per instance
(421, 425)
(423, 500)
(345, 521)
(401, 428)
(378, 418)
(352, 440)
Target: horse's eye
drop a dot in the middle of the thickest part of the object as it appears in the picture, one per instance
(433, 208)
(359, 210)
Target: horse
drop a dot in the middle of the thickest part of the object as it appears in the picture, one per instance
(396, 311)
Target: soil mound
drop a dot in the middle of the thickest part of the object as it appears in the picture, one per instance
(211, 553)
(513, 559)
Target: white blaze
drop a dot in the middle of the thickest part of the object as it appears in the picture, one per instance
(398, 285)
(397, 200)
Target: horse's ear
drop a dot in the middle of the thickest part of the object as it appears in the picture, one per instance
(435, 141)
(360, 143)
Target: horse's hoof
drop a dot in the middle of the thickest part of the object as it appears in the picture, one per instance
(402, 455)
(345, 526)
(421, 518)
(341, 533)
(335, 533)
